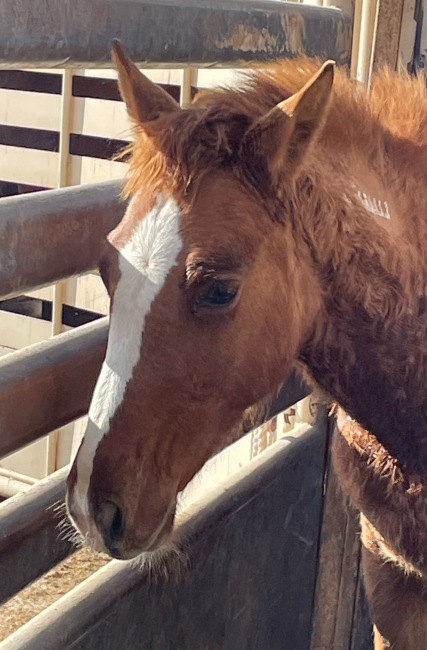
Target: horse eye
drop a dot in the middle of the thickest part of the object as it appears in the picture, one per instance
(219, 293)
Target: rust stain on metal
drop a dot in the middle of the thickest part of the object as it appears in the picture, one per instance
(294, 28)
(248, 39)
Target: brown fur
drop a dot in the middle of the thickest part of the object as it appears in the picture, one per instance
(270, 189)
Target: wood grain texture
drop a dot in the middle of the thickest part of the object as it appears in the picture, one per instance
(337, 587)
(387, 39)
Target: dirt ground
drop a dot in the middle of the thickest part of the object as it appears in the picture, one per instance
(34, 599)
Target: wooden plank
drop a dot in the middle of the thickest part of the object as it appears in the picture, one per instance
(387, 38)
(35, 82)
(45, 140)
(10, 188)
(292, 391)
(362, 635)
(338, 570)
(48, 385)
(74, 220)
(29, 539)
(101, 88)
(29, 138)
(95, 147)
(42, 309)
(242, 577)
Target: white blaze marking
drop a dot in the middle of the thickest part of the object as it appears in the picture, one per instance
(144, 263)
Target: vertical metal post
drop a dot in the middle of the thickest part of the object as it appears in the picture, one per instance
(63, 180)
(367, 39)
(357, 23)
(59, 290)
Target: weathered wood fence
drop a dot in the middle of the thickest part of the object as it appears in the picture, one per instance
(270, 559)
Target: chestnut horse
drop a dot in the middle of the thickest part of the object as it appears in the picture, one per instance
(277, 223)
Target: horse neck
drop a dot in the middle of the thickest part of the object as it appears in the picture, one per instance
(368, 349)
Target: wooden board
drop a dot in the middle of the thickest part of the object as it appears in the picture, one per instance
(339, 601)
(362, 634)
(101, 88)
(387, 37)
(36, 82)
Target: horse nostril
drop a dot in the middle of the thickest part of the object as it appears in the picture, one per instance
(110, 518)
(117, 524)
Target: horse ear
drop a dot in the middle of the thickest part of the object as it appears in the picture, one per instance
(144, 100)
(283, 135)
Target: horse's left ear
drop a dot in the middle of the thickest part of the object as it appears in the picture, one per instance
(144, 100)
(283, 135)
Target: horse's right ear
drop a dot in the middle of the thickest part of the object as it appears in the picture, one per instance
(282, 137)
(144, 100)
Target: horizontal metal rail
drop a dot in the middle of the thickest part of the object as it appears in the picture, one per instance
(30, 542)
(169, 33)
(280, 491)
(56, 234)
(49, 384)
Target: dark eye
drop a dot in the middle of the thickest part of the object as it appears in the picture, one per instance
(218, 293)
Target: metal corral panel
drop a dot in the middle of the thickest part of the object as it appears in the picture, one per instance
(168, 33)
(245, 581)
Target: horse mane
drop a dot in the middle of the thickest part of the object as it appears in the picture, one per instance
(208, 134)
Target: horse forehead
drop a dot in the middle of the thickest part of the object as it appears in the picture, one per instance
(218, 213)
